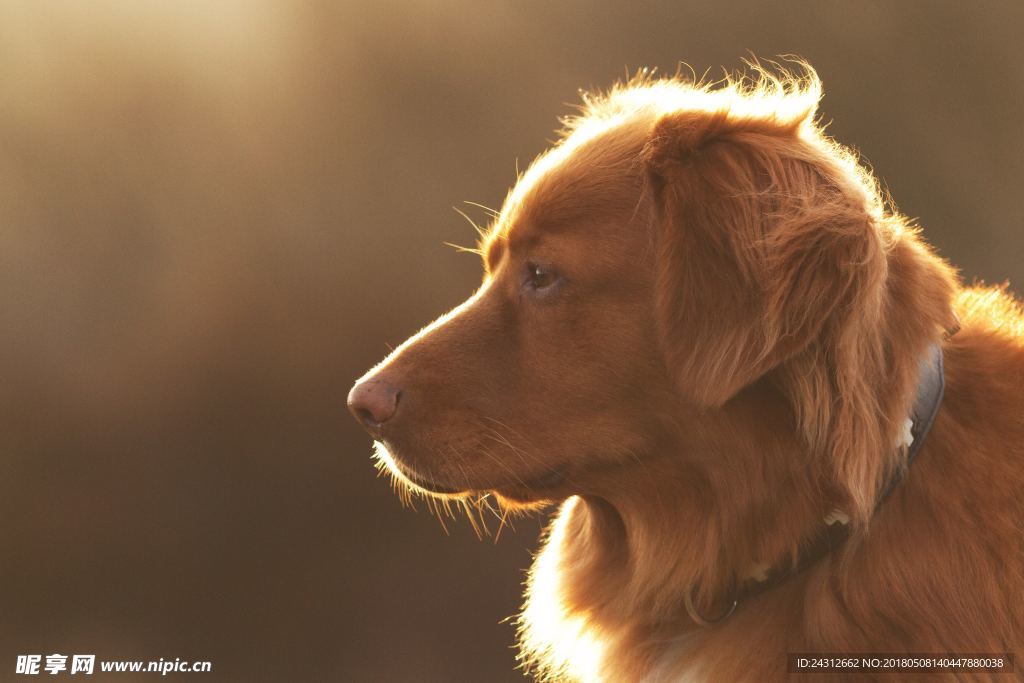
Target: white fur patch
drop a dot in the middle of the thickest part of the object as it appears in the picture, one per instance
(837, 516)
(907, 436)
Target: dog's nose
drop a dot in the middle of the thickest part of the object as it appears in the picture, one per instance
(373, 402)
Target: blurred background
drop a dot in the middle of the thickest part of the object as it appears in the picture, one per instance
(214, 216)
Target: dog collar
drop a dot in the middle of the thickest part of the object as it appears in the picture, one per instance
(930, 388)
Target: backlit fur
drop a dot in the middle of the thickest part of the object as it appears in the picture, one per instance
(731, 358)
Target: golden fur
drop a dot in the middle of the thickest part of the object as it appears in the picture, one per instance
(728, 354)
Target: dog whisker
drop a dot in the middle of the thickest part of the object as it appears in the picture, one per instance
(488, 209)
(481, 232)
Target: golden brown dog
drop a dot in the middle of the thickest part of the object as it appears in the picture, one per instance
(703, 331)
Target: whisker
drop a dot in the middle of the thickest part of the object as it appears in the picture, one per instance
(481, 233)
(437, 513)
(494, 435)
(502, 424)
(464, 250)
(488, 209)
(501, 524)
(500, 462)
(476, 522)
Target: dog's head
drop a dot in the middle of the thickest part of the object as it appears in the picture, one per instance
(552, 366)
(679, 246)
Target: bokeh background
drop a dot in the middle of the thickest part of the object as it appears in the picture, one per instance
(215, 215)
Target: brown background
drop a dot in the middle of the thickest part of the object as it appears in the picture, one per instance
(215, 215)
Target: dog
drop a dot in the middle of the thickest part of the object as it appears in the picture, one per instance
(779, 430)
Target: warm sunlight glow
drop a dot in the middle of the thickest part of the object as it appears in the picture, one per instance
(386, 463)
(564, 643)
(478, 507)
(785, 96)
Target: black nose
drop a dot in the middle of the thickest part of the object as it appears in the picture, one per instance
(373, 402)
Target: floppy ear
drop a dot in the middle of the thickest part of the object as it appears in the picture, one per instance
(775, 255)
(758, 244)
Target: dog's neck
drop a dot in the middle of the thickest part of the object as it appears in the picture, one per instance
(728, 533)
(762, 577)
(729, 525)
(620, 563)
(686, 538)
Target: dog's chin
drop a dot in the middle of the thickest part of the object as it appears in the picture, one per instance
(385, 454)
(552, 486)
(515, 489)
(430, 486)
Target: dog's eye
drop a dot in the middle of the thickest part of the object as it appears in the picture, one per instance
(539, 277)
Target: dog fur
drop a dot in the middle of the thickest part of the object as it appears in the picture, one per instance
(700, 330)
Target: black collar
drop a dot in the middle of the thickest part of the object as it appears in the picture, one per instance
(930, 387)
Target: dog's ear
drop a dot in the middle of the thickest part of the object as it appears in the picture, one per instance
(758, 242)
(776, 255)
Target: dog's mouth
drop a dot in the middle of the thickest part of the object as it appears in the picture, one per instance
(519, 488)
(535, 487)
(429, 485)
